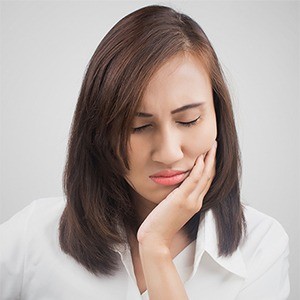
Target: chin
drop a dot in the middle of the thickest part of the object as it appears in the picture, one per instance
(159, 195)
(155, 195)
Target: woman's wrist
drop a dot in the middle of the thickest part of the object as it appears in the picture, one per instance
(155, 250)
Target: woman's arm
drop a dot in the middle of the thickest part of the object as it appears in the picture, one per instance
(162, 278)
(156, 233)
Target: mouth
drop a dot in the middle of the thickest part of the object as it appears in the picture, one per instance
(177, 178)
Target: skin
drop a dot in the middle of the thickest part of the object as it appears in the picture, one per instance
(165, 143)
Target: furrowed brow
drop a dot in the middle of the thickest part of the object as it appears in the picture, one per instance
(175, 111)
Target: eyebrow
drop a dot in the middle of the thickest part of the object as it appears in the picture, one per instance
(175, 111)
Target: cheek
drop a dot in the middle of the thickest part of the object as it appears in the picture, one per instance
(137, 152)
(202, 139)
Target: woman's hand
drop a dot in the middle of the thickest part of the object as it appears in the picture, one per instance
(169, 216)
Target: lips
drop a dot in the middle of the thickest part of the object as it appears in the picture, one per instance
(167, 173)
(169, 177)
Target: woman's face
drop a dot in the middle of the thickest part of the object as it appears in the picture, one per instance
(175, 124)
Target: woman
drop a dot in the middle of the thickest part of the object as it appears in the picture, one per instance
(153, 204)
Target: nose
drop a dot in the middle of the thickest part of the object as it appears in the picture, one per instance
(167, 147)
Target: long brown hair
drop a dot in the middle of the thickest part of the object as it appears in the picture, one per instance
(98, 197)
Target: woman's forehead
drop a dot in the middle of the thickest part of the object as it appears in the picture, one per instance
(181, 80)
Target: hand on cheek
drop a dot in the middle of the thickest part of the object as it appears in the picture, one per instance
(166, 219)
(206, 152)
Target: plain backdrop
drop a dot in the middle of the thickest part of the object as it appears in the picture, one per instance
(46, 46)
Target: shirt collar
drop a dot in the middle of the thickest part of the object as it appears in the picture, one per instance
(207, 240)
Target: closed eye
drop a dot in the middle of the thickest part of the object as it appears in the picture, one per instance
(186, 124)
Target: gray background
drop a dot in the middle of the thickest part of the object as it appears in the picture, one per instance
(45, 47)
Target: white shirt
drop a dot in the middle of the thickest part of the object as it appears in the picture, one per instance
(34, 267)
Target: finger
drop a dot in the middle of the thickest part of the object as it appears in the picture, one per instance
(207, 174)
(206, 189)
(190, 183)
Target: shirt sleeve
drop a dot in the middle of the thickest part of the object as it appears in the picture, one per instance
(12, 254)
(268, 272)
